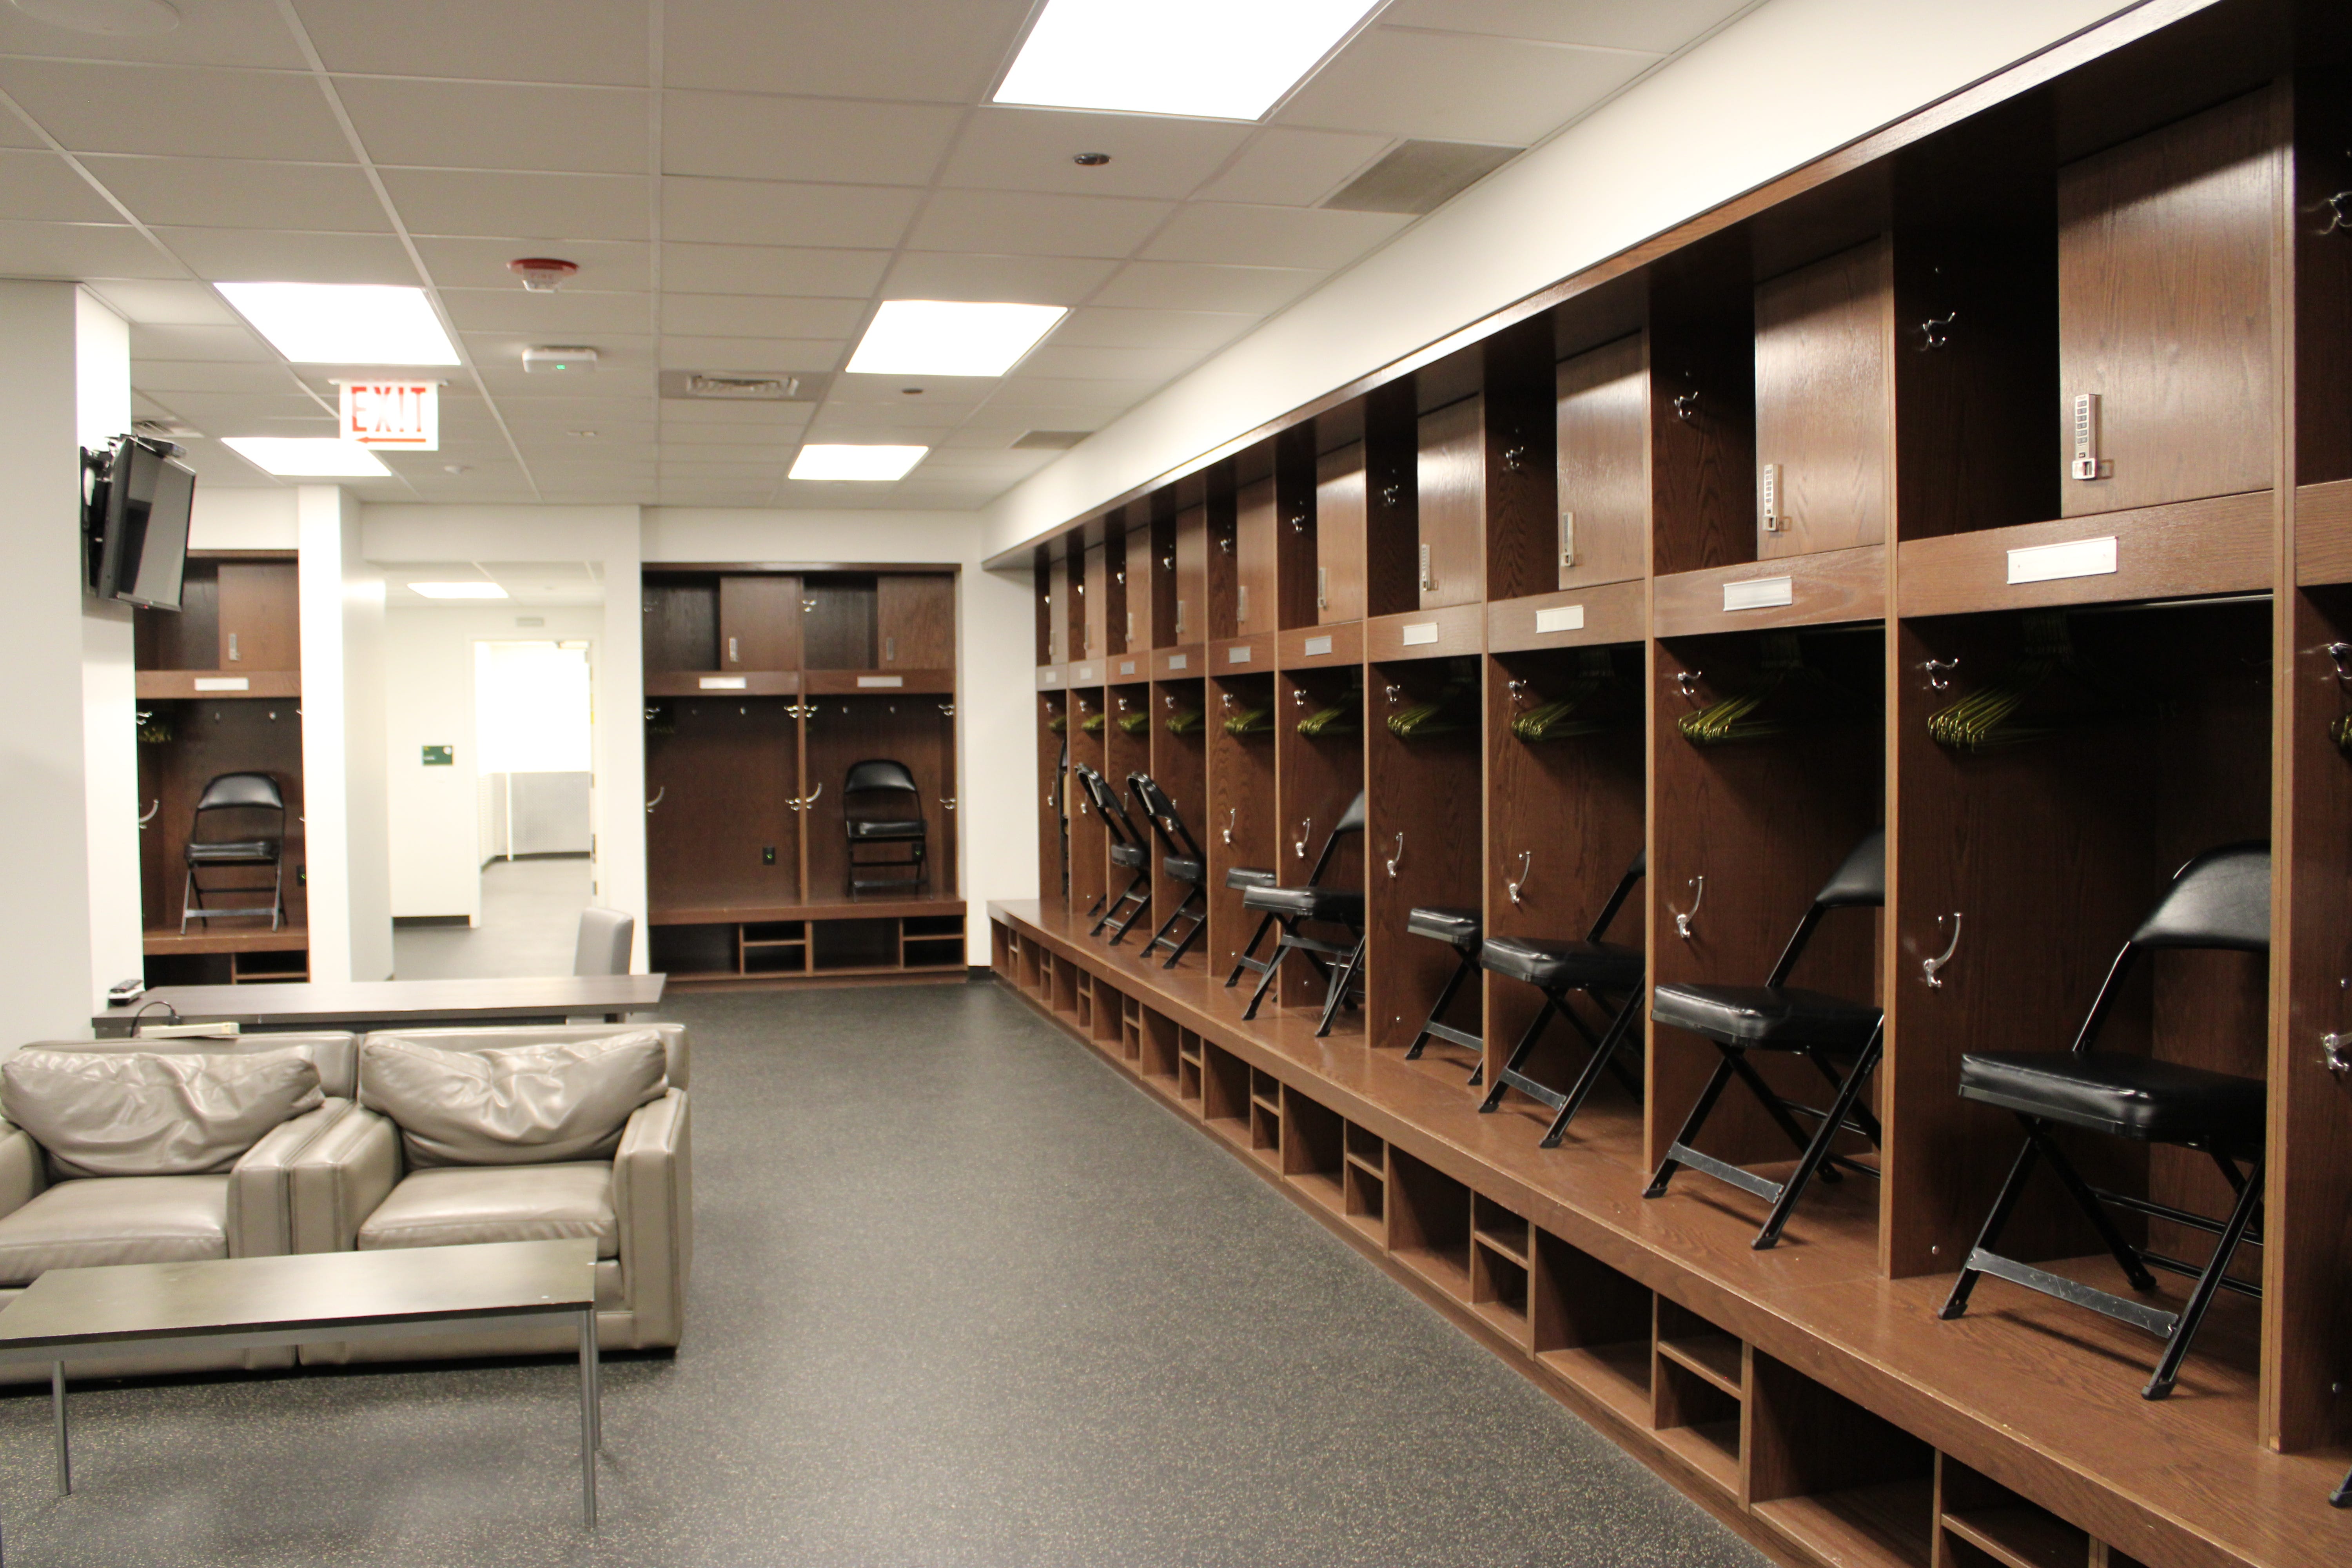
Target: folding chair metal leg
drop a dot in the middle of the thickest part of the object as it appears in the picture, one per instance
(1249, 959)
(1996, 1221)
(1505, 1076)
(1770, 1097)
(1434, 1028)
(1699, 1111)
(1159, 937)
(1819, 1149)
(1343, 980)
(2126, 1254)
(1176, 955)
(2241, 1216)
(1266, 977)
(1604, 1056)
(2343, 1498)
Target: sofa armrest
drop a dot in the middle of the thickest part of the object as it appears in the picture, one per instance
(24, 1170)
(340, 1179)
(260, 1200)
(653, 1199)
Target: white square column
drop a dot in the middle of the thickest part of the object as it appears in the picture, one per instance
(347, 854)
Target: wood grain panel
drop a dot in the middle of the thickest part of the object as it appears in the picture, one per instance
(1318, 647)
(2165, 253)
(1057, 608)
(1391, 500)
(2220, 546)
(1701, 427)
(837, 623)
(2323, 533)
(1603, 402)
(1460, 629)
(1192, 619)
(724, 778)
(1093, 589)
(1234, 656)
(1090, 868)
(158, 684)
(190, 639)
(213, 736)
(1186, 662)
(759, 623)
(1835, 586)
(756, 683)
(1257, 606)
(1315, 781)
(1823, 399)
(1041, 576)
(1427, 791)
(1450, 486)
(1522, 476)
(2322, 393)
(1339, 533)
(1053, 781)
(852, 681)
(914, 612)
(1238, 828)
(1180, 765)
(840, 731)
(1296, 530)
(260, 615)
(1048, 678)
(1614, 612)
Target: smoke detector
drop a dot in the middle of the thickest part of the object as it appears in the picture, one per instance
(547, 361)
(542, 274)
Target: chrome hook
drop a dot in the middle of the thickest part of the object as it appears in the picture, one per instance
(819, 789)
(1515, 459)
(1937, 330)
(649, 804)
(1687, 681)
(1391, 690)
(1939, 672)
(1233, 814)
(1931, 968)
(1683, 918)
(949, 707)
(1527, 864)
(149, 815)
(1306, 831)
(948, 801)
(1519, 690)
(2339, 208)
(2336, 1046)
(2341, 654)
(1397, 858)
(1391, 495)
(1686, 406)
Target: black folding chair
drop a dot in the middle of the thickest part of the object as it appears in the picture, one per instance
(1776, 1016)
(241, 792)
(1129, 849)
(1598, 968)
(1184, 861)
(1462, 930)
(2220, 900)
(882, 807)
(1314, 904)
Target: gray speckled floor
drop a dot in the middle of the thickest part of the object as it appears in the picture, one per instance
(960, 1297)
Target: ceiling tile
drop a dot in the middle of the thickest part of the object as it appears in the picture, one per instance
(500, 368)
(231, 255)
(605, 266)
(711, 473)
(1100, 327)
(169, 378)
(43, 186)
(751, 353)
(1289, 167)
(1033, 150)
(1190, 286)
(562, 317)
(1458, 88)
(941, 50)
(764, 212)
(474, 125)
(1020, 280)
(681, 441)
(191, 113)
(941, 397)
(79, 251)
(210, 32)
(873, 423)
(1029, 223)
(229, 413)
(215, 193)
(1041, 392)
(760, 315)
(754, 136)
(219, 344)
(1271, 236)
(771, 269)
(464, 201)
(689, 455)
(1016, 419)
(513, 40)
(1660, 26)
(177, 304)
(681, 411)
(1110, 365)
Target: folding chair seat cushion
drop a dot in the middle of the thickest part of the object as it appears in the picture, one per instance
(1134, 857)
(1246, 877)
(888, 827)
(1767, 1017)
(1331, 905)
(1459, 928)
(2122, 1094)
(1563, 965)
(229, 852)
(1184, 868)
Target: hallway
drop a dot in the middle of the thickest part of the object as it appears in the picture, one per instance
(530, 925)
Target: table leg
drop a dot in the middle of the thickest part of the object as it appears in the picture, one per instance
(588, 1414)
(57, 1407)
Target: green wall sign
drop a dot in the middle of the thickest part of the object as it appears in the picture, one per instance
(440, 756)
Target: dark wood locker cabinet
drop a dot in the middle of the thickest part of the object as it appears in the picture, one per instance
(1451, 481)
(914, 621)
(1057, 608)
(721, 831)
(1339, 534)
(1191, 612)
(759, 623)
(837, 615)
(1145, 579)
(2164, 257)
(1094, 603)
(1256, 607)
(1824, 348)
(1604, 509)
(260, 615)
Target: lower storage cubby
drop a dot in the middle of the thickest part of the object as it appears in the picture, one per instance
(1155, 1059)
(1838, 1481)
(1429, 1224)
(1314, 1151)
(1265, 1117)
(1226, 1094)
(1698, 1380)
(1083, 991)
(1131, 1029)
(1188, 1068)
(1591, 1326)
(1363, 1198)
(1064, 995)
(1981, 1523)
(1501, 1268)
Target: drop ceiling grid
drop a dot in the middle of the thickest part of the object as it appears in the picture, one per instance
(393, 169)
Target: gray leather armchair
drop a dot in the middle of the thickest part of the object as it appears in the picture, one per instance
(52, 1218)
(353, 1187)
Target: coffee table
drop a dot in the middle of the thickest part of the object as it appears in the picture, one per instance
(309, 1298)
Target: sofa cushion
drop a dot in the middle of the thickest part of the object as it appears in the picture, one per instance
(511, 1105)
(153, 1113)
(458, 1205)
(116, 1219)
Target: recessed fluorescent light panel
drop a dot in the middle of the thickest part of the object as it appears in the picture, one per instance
(856, 462)
(458, 590)
(946, 337)
(308, 457)
(1206, 59)
(343, 323)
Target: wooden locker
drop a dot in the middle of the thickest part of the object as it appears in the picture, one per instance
(759, 623)
(260, 615)
(1824, 351)
(1144, 578)
(1605, 504)
(1452, 482)
(914, 617)
(1339, 534)
(1094, 603)
(1191, 624)
(1256, 607)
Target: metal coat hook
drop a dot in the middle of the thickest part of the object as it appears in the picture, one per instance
(657, 799)
(1687, 681)
(1686, 406)
(1931, 968)
(948, 801)
(2341, 653)
(1233, 814)
(2339, 208)
(1306, 831)
(1298, 696)
(814, 794)
(1396, 859)
(1519, 690)
(1939, 673)
(1937, 330)
(150, 813)
(1527, 864)
(1391, 691)
(2336, 1046)
(949, 707)
(1225, 543)
(1391, 495)
(1683, 918)
(1514, 459)
(1298, 523)
(1226, 698)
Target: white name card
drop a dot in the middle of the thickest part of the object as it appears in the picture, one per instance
(1567, 618)
(723, 683)
(1759, 593)
(1127, 667)
(1050, 677)
(1086, 672)
(866, 680)
(2049, 563)
(1317, 645)
(1238, 654)
(1179, 660)
(222, 683)
(1421, 634)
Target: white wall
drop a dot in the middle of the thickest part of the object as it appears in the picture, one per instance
(243, 519)
(347, 857)
(436, 853)
(110, 683)
(1782, 86)
(995, 631)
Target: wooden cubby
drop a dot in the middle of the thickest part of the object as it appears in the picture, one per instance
(2150, 214)
(1240, 829)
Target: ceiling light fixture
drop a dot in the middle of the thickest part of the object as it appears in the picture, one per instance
(862, 463)
(308, 457)
(1207, 59)
(945, 337)
(1090, 160)
(457, 590)
(343, 323)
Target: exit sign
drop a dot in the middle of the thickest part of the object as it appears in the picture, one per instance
(404, 416)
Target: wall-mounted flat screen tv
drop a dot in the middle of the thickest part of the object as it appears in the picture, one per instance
(137, 519)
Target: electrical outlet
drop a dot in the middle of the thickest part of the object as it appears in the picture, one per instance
(767, 854)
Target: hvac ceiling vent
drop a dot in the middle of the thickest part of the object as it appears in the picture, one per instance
(741, 386)
(1050, 440)
(1420, 176)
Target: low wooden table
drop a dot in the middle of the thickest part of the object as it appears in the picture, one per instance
(72, 1314)
(380, 1003)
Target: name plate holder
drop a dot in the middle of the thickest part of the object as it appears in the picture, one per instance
(2053, 562)
(1563, 618)
(1759, 593)
(1419, 634)
(866, 682)
(1316, 646)
(224, 683)
(1238, 654)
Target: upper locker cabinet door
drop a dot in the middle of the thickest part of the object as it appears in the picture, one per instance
(1452, 480)
(1144, 582)
(759, 623)
(1605, 504)
(260, 615)
(1094, 606)
(1255, 608)
(2164, 287)
(1339, 534)
(1057, 608)
(1192, 576)
(1823, 396)
(915, 614)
